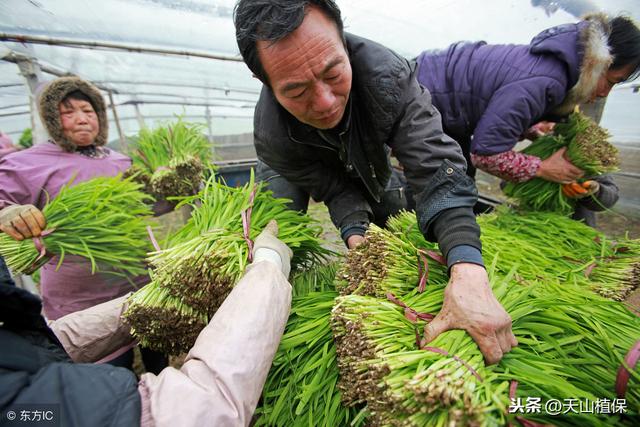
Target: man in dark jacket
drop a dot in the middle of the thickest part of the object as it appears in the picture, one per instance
(332, 107)
(490, 95)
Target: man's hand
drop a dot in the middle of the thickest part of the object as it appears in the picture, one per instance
(469, 304)
(22, 221)
(577, 190)
(557, 168)
(354, 240)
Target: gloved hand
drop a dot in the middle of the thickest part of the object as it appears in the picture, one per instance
(267, 247)
(22, 221)
(575, 190)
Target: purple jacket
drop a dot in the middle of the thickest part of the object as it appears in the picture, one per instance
(496, 92)
(32, 176)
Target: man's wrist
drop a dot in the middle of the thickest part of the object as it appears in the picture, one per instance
(464, 254)
(355, 229)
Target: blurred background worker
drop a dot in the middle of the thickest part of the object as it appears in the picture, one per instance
(491, 95)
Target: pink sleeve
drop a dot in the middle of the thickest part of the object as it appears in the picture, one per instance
(89, 335)
(509, 165)
(222, 377)
(14, 188)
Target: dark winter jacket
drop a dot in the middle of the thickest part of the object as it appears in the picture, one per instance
(496, 92)
(605, 198)
(388, 110)
(36, 374)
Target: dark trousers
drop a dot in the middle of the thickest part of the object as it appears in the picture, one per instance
(5, 277)
(397, 195)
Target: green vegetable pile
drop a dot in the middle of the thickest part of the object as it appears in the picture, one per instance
(103, 219)
(587, 148)
(572, 341)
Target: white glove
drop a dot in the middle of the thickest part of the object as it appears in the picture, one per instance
(267, 247)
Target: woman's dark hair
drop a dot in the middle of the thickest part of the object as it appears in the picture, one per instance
(78, 96)
(272, 20)
(624, 42)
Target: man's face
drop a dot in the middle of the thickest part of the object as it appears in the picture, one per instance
(609, 79)
(79, 122)
(309, 71)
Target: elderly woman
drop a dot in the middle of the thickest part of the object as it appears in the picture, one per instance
(490, 95)
(74, 113)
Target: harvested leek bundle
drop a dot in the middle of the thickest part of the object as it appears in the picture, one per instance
(163, 322)
(556, 248)
(103, 219)
(301, 387)
(587, 148)
(207, 257)
(202, 271)
(382, 263)
(170, 160)
(245, 211)
(580, 254)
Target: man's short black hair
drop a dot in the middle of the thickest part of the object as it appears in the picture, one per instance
(624, 41)
(272, 20)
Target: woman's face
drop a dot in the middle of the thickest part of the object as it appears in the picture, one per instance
(609, 79)
(79, 120)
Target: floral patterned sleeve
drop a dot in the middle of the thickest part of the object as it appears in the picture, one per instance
(510, 165)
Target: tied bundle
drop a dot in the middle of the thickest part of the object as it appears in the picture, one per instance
(207, 257)
(170, 160)
(103, 219)
(587, 148)
(567, 335)
(381, 265)
(559, 248)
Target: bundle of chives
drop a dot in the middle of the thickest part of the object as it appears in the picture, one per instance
(163, 322)
(560, 247)
(170, 160)
(103, 219)
(201, 271)
(587, 148)
(381, 367)
(219, 207)
(556, 248)
(301, 387)
(208, 255)
(608, 330)
(381, 264)
(497, 240)
(402, 386)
